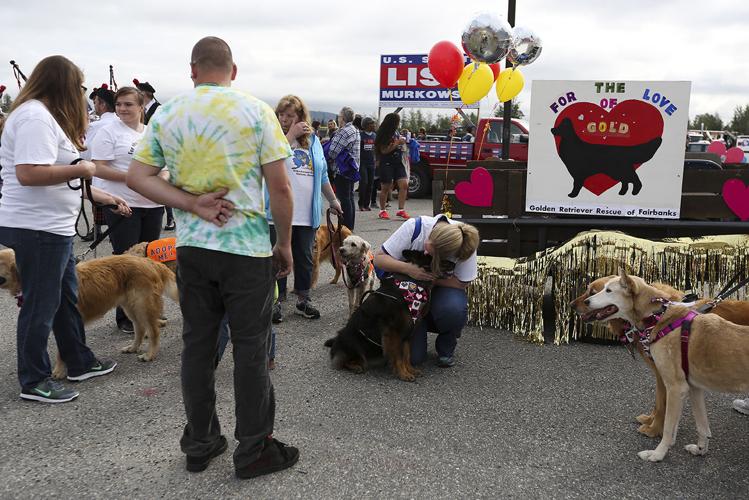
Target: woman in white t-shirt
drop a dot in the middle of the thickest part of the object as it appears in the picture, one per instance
(111, 150)
(308, 173)
(443, 239)
(41, 141)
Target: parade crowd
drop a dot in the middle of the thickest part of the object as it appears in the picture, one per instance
(242, 184)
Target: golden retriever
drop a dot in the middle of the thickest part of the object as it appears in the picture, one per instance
(321, 252)
(718, 354)
(136, 284)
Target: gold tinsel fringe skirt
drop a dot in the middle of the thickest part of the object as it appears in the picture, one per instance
(509, 293)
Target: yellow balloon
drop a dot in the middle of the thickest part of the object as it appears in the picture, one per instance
(509, 84)
(475, 82)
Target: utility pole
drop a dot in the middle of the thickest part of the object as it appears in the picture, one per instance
(507, 116)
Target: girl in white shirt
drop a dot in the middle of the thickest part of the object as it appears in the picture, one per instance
(112, 150)
(443, 239)
(41, 141)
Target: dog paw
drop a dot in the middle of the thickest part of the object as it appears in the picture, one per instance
(146, 357)
(695, 449)
(129, 349)
(650, 456)
(646, 419)
(650, 430)
(58, 374)
(407, 376)
(162, 323)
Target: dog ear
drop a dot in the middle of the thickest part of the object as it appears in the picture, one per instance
(626, 281)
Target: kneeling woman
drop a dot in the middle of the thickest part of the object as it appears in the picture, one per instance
(443, 239)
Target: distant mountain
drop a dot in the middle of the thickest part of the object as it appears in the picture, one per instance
(323, 116)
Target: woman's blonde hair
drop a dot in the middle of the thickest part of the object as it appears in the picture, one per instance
(57, 82)
(457, 240)
(297, 106)
(138, 94)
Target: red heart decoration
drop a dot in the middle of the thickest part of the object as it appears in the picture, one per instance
(736, 196)
(630, 123)
(479, 191)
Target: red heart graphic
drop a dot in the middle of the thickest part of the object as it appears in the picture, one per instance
(479, 191)
(630, 123)
(736, 196)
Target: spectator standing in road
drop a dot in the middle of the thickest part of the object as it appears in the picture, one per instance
(346, 139)
(219, 144)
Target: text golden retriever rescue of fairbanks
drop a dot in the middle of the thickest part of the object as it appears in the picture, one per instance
(508, 293)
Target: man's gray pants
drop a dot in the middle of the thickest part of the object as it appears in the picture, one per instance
(212, 283)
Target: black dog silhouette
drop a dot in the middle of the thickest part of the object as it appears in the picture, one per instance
(584, 159)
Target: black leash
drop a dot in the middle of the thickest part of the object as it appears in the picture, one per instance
(726, 292)
(85, 186)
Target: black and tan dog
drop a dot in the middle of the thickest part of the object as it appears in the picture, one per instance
(384, 323)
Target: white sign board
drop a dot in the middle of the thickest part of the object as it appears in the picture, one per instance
(607, 148)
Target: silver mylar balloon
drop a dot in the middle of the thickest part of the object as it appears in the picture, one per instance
(526, 47)
(487, 38)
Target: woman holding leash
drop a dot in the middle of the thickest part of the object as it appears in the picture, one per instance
(443, 239)
(41, 141)
(111, 150)
(308, 172)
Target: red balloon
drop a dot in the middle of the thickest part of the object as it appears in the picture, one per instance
(446, 63)
(495, 69)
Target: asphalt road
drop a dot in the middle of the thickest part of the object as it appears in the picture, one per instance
(511, 419)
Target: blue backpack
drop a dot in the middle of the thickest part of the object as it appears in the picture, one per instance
(344, 163)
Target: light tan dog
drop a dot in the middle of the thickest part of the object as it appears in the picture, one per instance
(321, 252)
(736, 311)
(358, 269)
(136, 284)
(718, 354)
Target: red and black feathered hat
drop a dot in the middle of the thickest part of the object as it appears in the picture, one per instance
(143, 86)
(103, 93)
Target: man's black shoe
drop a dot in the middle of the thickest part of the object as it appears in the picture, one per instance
(199, 464)
(276, 456)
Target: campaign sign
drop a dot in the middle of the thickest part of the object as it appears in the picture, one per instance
(405, 80)
(607, 148)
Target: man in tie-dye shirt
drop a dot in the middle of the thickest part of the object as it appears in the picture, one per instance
(218, 145)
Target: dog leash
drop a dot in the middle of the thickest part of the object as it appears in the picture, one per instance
(333, 232)
(84, 185)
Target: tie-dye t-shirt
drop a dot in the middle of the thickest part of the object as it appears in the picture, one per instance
(214, 137)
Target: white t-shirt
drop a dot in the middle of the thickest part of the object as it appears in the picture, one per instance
(32, 136)
(116, 142)
(93, 128)
(400, 240)
(301, 174)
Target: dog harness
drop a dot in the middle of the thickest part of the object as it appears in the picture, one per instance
(163, 250)
(415, 295)
(358, 271)
(685, 323)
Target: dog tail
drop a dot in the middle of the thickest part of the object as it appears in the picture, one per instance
(329, 342)
(170, 282)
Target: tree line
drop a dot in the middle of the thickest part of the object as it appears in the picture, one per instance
(739, 124)
(414, 119)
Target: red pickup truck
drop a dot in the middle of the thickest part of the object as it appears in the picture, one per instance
(434, 153)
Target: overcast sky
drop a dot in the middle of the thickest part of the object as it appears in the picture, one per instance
(328, 52)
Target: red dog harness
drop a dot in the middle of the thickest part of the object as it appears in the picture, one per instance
(685, 323)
